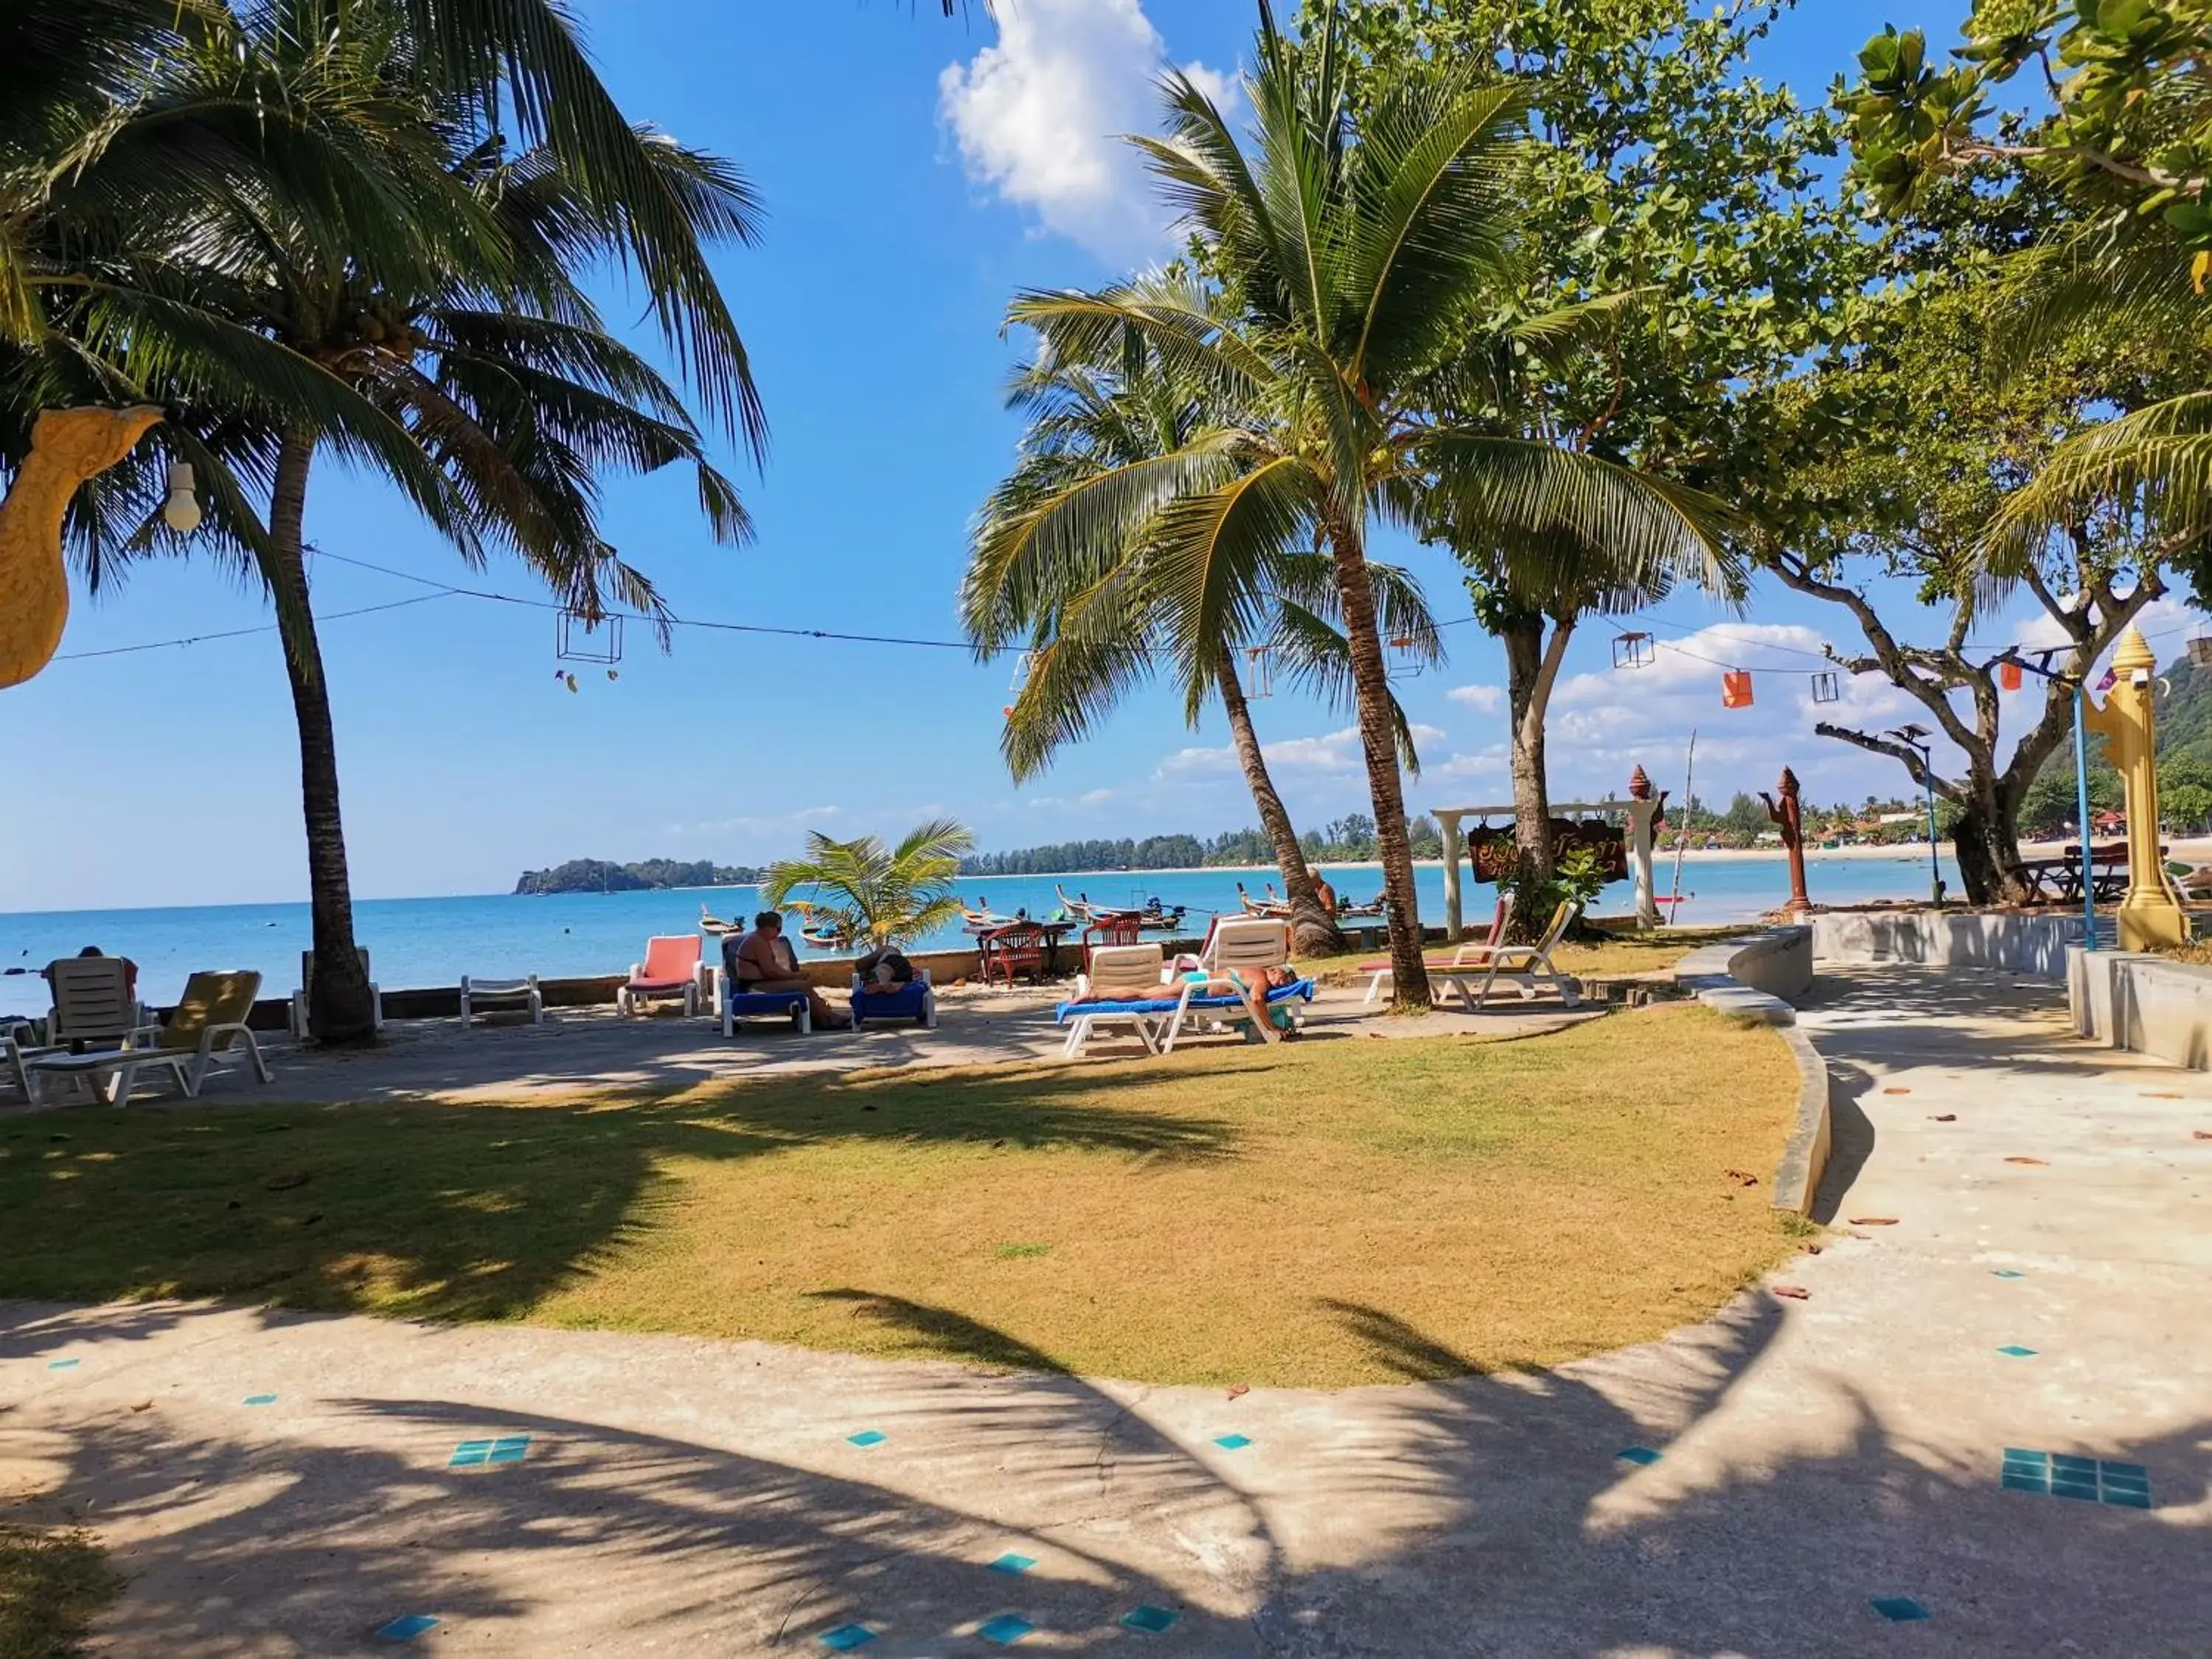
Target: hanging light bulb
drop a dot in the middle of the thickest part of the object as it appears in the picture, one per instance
(181, 511)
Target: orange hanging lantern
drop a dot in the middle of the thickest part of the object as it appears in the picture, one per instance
(1735, 689)
(2008, 675)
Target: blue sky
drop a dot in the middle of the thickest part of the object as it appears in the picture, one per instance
(917, 173)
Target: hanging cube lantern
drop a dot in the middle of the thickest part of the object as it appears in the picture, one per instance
(1735, 689)
(2200, 650)
(1632, 651)
(1259, 671)
(1827, 688)
(2009, 677)
(1404, 658)
(578, 639)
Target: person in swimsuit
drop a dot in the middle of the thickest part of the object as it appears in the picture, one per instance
(763, 961)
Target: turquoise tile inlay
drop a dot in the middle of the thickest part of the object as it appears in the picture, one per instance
(846, 1638)
(868, 1437)
(1643, 1455)
(1232, 1442)
(1153, 1621)
(1899, 1609)
(408, 1628)
(62, 1364)
(2086, 1479)
(2013, 1350)
(1012, 1563)
(260, 1399)
(1006, 1631)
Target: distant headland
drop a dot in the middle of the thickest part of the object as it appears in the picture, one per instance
(599, 876)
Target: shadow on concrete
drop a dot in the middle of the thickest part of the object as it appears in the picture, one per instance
(1480, 1516)
(1851, 1135)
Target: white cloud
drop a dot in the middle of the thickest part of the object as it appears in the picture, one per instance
(1483, 699)
(1039, 117)
(1333, 753)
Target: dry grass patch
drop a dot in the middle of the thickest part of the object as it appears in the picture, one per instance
(1263, 1215)
(53, 1581)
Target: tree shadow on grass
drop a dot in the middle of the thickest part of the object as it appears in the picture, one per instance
(472, 1212)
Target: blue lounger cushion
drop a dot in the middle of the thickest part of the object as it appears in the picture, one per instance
(1068, 1010)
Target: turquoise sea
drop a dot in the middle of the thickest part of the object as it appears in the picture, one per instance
(434, 941)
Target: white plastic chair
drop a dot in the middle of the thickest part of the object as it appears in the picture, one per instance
(299, 1012)
(506, 992)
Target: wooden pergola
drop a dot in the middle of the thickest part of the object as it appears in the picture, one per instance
(1639, 814)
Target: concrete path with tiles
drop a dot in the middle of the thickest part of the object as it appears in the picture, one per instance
(1813, 1456)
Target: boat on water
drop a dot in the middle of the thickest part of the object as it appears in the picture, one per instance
(711, 923)
(823, 930)
(1275, 909)
(1371, 911)
(1151, 916)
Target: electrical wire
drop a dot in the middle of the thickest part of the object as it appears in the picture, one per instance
(242, 633)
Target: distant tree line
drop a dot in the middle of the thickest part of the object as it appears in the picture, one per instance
(598, 876)
(1349, 840)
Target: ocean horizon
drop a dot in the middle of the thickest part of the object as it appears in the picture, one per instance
(418, 942)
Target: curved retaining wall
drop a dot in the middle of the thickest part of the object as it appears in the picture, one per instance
(1762, 976)
(2035, 944)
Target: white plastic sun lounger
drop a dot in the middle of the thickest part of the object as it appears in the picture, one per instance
(1525, 967)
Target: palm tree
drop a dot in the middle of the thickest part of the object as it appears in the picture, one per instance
(888, 896)
(1099, 616)
(401, 288)
(1354, 250)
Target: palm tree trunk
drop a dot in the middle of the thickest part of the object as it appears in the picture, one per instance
(339, 1009)
(1313, 929)
(1370, 680)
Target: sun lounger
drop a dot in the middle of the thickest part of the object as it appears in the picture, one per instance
(670, 969)
(1526, 966)
(1474, 954)
(17, 1044)
(474, 992)
(92, 1002)
(1160, 1019)
(737, 1005)
(916, 1001)
(307, 979)
(1125, 985)
(207, 1030)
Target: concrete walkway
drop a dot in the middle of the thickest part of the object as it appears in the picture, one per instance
(686, 1497)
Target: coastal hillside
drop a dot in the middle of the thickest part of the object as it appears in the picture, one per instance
(599, 876)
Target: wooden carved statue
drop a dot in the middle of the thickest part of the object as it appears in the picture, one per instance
(1790, 814)
(68, 447)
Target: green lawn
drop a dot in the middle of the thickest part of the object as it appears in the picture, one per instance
(1616, 956)
(1279, 1215)
(51, 1582)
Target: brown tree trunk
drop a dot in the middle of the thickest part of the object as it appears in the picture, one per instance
(1370, 679)
(339, 1008)
(1986, 840)
(1313, 929)
(1527, 701)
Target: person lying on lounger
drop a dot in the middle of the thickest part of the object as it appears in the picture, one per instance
(764, 961)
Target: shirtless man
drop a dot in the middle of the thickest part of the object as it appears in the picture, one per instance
(763, 961)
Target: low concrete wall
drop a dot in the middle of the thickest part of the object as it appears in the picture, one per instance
(2143, 1005)
(2034, 945)
(1760, 977)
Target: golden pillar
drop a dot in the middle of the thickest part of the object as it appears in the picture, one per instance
(2150, 915)
(68, 447)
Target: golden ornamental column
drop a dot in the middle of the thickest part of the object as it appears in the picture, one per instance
(68, 447)
(2150, 915)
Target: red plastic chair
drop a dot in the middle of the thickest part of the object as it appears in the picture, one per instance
(1114, 930)
(1019, 947)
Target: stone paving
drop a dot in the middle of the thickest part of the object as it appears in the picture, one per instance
(1992, 1407)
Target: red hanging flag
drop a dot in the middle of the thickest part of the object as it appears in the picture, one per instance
(1735, 689)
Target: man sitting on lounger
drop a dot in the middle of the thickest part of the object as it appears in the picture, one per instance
(763, 961)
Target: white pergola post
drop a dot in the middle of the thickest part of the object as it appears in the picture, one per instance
(1640, 814)
(1449, 823)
